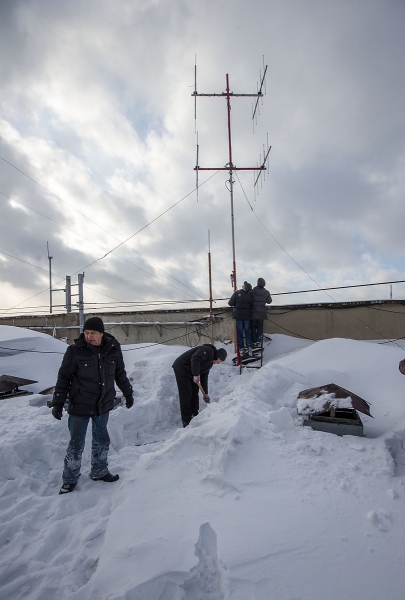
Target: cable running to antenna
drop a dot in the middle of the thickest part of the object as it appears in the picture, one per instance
(312, 279)
(116, 255)
(112, 250)
(91, 221)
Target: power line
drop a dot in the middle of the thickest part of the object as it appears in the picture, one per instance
(139, 230)
(278, 243)
(56, 196)
(28, 263)
(94, 223)
(312, 279)
(341, 287)
(123, 349)
(95, 244)
(104, 305)
(120, 244)
(293, 333)
(47, 271)
(126, 304)
(33, 351)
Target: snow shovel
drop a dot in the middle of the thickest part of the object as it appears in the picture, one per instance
(205, 396)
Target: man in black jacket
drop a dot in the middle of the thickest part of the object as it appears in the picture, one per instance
(86, 379)
(260, 297)
(190, 369)
(241, 300)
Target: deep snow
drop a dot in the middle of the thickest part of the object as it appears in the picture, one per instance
(243, 504)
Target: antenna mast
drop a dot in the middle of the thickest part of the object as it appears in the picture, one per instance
(50, 278)
(230, 167)
(210, 284)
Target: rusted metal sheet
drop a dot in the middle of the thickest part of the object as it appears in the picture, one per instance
(9, 383)
(333, 393)
(47, 391)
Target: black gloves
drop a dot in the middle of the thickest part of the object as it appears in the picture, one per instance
(57, 411)
(129, 401)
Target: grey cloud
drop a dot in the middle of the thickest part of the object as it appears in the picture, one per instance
(97, 107)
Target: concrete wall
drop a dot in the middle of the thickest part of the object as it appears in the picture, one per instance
(184, 327)
(371, 320)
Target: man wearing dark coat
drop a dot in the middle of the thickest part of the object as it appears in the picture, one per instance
(241, 301)
(190, 369)
(86, 379)
(260, 297)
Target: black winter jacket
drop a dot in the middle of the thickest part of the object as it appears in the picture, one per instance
(87, 374)
(242, 303)
(197, 361)
(260, 297)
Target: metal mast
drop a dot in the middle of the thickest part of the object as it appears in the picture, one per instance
(210, 284)
(230, 167)
(50, 278)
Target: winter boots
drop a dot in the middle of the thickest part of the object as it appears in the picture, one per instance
(67, 488)
(245, 352)
(109, 478)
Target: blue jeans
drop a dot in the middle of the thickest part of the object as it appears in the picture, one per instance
(99, 448)
(243, 326)
(257, 330)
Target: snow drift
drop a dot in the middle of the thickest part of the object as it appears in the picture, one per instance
(243, 503)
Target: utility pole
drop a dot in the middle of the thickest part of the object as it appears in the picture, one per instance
(81, 303)
(210, 283)
(230, 167)
(68, 294)
(50, 278)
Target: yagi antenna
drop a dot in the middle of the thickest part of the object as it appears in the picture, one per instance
(262, 169)
(255, 110)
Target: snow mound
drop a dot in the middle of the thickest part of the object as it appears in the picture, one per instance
(243, 503)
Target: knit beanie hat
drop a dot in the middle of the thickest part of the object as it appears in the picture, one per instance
(94, 324)
(247, 285)
(222, 354)
(261, 282)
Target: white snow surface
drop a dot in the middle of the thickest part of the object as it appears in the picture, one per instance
(244, 504)
(316, 405)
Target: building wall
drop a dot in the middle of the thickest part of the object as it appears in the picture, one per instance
(371, 320)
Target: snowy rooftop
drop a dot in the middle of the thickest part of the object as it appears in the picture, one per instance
(243, 504)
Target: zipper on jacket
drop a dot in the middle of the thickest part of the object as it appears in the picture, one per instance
(101, 386)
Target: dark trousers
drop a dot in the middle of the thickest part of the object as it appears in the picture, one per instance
(99, 448)
(188, 395)
(256, 329)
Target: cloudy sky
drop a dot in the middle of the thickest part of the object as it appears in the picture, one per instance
(98, 146)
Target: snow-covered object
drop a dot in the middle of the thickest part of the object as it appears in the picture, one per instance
(323, 398)
(23, 350)
(321, 403)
